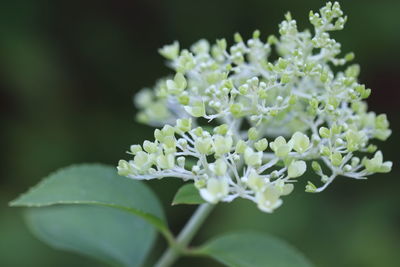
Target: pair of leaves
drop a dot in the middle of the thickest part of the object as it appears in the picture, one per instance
(91, 210)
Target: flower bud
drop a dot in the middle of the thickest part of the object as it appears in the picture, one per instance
(135, 149)
(184, 125)
(261, 145)
(296, 168)
(300, 141)
(252, 133)
(252, 158)
(215, 190)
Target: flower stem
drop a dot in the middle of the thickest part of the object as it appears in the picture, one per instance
(185, 236)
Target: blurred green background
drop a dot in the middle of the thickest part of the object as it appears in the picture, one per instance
(69, 69)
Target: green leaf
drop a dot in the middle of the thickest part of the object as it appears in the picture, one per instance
(95, 184)
(250, 249)
(188, 194)
(107, 234)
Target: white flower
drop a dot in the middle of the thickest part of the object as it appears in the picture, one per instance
(268, 200)
(257, 120)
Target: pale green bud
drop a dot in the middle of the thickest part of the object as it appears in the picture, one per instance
(325, 151)
(353, 71)
(314, 103)
(204, 145)
(240, 147)
(166, 161)
(296, 168)
(252, 133)
(376, 164)
(301, 142)
(200, 183)
(382, 134)
(354, 140)
(324, 132)
(282, 63)
(222, 129)
(316, 167)
(287, 189)
(311, 188)
(184, 125)
(183, 143)
(150, 147)
(170, 51)
(200, 47)
(274, 174)
(124, 168)
(169, 142)
(236, 110)
(198, 131)
(254, 181)
(219, 167)
(135, 149)
(185, 61)
(142, 161)
(256, 34)
(221, 43)
(197, 109)
(261, 145)
(143, 98)
(272, 39)
(355, 161)
(286, 78)
(177, 85)
(222, 144)
(347, 168)
(237, 37)
(181, 161)
(336, 159)
(252, 158)
(381, 121)
(215, 190)
(243, 89)
(336, 129)
(168, 130)
(324, 76)
(158, 135)
(280, 147)
(372, 148)
(184, 99)
(284, 189)
(268, 200)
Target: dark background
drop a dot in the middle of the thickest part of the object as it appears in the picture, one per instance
(69, 69)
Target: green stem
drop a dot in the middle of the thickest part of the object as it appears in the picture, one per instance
(185, 236)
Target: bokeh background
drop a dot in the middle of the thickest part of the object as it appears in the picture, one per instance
(69, 69)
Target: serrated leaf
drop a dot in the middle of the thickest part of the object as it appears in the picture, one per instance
(250, 249)
(188, 194)
(107, 234)
(95, 184)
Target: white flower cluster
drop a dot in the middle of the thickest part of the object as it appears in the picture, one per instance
(265, 115)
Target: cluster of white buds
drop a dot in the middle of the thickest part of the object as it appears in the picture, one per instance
(264, 117)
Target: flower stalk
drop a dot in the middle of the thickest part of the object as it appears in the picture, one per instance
(185, 236)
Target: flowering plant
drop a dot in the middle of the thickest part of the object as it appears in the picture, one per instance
(248, 121)
(265, 118)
